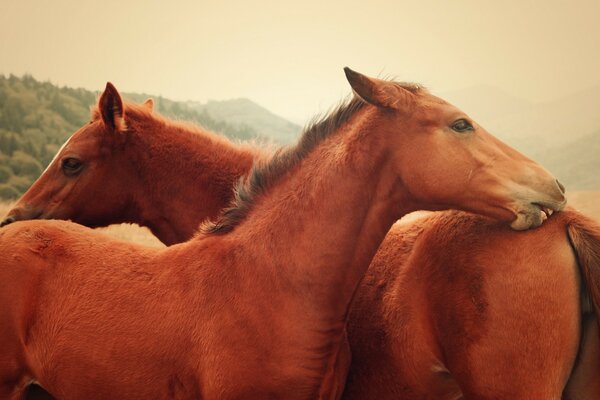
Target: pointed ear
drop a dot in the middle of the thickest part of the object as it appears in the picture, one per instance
(149, 104)
(378, 92)
(111, 109)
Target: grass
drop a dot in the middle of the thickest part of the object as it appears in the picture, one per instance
(587, 202)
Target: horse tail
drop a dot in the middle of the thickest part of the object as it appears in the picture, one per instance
(584, 234)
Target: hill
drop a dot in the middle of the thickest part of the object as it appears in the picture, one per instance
(37, 117)
(245, 112)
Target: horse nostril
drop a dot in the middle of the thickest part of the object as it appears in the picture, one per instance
(561, 187)
(7, 221)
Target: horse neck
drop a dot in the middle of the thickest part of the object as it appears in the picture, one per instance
(186, 175)
(321, 225)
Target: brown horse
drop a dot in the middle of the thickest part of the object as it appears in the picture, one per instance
(457, 306)
(256, 304)
(157, 173)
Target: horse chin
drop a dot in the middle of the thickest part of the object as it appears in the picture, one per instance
(530, 217)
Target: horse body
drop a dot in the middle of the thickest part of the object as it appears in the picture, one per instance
(157, 323)
(467, 308)
(256, 304)
(63, 329)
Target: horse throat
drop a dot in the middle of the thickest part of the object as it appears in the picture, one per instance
(171, 204)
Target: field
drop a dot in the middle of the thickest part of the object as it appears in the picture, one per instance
(587, 202)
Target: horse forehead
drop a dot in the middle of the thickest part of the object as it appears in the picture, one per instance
(432, 102)
(84, 139)
(430, 113)
(91, 133)
(60, 150)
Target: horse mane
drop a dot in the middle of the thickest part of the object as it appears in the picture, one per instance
(264, 174)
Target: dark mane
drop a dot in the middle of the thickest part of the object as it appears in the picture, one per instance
(264, 174)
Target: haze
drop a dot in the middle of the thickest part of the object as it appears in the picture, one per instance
(288, 56)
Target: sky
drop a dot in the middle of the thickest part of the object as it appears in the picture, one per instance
(289, 56)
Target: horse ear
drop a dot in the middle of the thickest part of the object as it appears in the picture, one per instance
(149, 104)
(111, 109)
(376, 91)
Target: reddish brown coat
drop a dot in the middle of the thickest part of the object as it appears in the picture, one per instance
(259, 307)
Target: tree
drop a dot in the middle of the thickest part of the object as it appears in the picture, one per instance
(8, 192)
(24, 164)
(5, 173)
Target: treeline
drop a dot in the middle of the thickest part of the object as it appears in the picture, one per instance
(37, 117)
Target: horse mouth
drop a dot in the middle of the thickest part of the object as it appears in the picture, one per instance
(545, 212)
(548, 209)
(18, 216)
(534, 215)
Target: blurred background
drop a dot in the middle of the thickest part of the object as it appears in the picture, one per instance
(528, 71)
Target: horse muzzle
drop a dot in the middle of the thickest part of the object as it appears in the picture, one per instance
(20, 214)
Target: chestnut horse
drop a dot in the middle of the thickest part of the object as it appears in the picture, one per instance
(81, 185)
(457, 306)
(164, 175)
(255, 304)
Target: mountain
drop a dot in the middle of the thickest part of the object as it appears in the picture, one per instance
(37, 117)
(245, 112)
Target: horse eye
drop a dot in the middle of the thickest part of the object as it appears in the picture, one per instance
(71, 166)
(461, 125)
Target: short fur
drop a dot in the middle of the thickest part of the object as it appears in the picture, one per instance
(259, 311)
(470, 308)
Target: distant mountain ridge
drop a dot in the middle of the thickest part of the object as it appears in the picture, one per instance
(245, 112)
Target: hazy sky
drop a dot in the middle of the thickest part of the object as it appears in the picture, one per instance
(288, 56)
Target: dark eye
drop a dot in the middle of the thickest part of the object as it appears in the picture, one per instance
(461, 125)
(71, 166)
